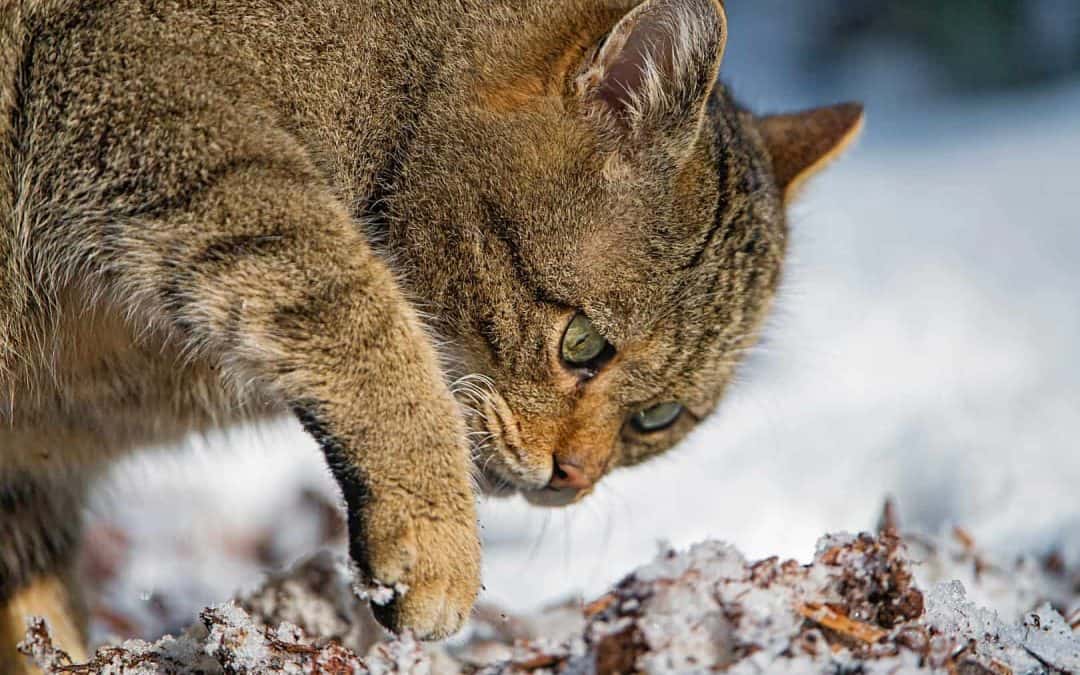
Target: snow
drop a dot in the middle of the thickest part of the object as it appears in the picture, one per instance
(1042, 640)
(238, 645)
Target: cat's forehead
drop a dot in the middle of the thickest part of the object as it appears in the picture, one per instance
(698, 250)
(704, 303)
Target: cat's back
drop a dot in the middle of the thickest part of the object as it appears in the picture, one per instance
(99, 78)
(16, 17)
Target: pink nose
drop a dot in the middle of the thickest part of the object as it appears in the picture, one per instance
(568, 475)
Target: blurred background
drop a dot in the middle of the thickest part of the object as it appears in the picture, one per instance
(925, 346)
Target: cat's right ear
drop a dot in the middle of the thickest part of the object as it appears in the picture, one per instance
(649, 80)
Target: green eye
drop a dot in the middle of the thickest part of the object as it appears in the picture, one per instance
(658, 417)
(583, 346)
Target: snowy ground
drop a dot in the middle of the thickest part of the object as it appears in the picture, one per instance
(875, 605)
(924, 348)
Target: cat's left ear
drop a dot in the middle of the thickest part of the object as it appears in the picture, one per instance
(801, 144)
(651, 77)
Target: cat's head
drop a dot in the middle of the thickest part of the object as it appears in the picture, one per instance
(599, 230)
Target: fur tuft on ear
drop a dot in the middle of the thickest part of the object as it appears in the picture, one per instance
(654, 72)
(801, 144)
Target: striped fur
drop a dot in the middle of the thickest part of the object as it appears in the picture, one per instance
(354, 211)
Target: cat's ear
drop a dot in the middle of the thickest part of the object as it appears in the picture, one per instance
(651, 77)
(801, 144)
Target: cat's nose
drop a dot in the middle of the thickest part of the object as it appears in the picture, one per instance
(568, 475)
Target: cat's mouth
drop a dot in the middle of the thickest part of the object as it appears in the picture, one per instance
(505, 466)
(494, 485)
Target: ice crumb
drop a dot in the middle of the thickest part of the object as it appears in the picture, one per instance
(373, 590)
(379, 594)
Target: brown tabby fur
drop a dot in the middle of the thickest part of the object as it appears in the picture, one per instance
(212, 212)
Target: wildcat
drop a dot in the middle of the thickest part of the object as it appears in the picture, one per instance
(352, 210)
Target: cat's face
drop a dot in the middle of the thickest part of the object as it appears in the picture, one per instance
(635, 284)
(601, 248)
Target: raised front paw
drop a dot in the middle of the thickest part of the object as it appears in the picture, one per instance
(428, 553)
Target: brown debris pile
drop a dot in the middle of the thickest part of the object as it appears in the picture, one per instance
(308, 621)
(855, 608)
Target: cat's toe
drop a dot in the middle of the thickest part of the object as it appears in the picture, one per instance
(435, 566)
(431, 611)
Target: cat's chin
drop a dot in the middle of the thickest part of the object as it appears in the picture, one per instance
(551, 499)
(499, 491)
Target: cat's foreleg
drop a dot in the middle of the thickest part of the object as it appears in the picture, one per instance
(40, 524)
(266, 274)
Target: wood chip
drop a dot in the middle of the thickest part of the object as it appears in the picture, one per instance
(965, 539)
(828, 617)
(889, 521)
(538, 662)
(598, 605)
